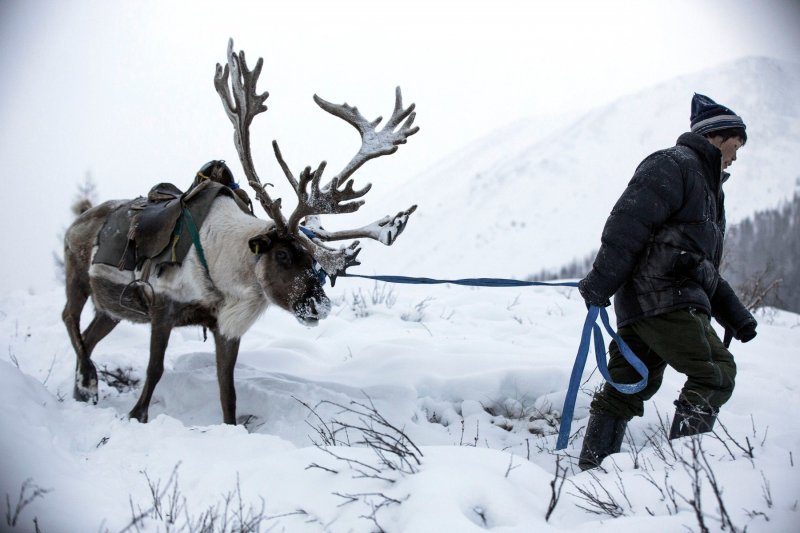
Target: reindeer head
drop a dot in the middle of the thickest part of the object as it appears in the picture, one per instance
(301, 254)
(289, 277)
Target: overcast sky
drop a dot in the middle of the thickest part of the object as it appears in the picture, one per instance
(123, 90)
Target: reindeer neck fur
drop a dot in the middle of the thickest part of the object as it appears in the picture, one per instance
(232, 266)
(229, 291)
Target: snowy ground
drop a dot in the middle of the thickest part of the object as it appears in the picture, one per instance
(474, 377)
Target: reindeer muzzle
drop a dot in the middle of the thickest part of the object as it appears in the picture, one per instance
(312, 308)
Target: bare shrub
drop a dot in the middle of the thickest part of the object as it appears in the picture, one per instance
(396, 452)
(556, 485)
(597, 499)
(361, 303)
(360, 424)
(121, 379)
(417, 313)
(168, 508)
(28, 492)
(760, 289)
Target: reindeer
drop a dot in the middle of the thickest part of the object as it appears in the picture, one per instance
(251, 263)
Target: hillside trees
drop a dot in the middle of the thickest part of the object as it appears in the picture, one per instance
(762, 257)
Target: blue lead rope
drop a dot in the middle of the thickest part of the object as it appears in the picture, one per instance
(590, 328)
(472, 282)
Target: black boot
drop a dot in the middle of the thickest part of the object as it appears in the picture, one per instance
(604, 435)
(690, 420)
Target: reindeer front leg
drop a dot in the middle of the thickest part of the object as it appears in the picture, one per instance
(227, 352)
(159, 338)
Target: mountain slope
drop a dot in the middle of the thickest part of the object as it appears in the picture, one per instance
(543, 188)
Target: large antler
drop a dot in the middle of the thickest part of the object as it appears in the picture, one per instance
(242, 103)
(316, 201)
(385, 230)
(331, 198)
(374, 143)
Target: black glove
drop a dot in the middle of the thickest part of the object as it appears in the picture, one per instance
(590, 297)
(747, 332)
(731, 314)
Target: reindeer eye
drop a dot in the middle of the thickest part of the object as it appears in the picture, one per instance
(282, 256)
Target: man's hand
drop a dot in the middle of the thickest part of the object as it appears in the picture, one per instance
(590, 297)
(747, 332)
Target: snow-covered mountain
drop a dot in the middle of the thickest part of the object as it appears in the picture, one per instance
(535, 194)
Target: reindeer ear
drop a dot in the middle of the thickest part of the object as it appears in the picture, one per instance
(260, 244)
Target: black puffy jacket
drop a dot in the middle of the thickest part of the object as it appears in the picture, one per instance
(662, 244)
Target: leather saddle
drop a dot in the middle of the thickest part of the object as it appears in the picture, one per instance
(154, 228)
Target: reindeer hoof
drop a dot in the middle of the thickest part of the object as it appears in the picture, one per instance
(83, 395)
(137, 414)
(85, 389)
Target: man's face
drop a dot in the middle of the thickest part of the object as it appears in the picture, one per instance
(728, 148)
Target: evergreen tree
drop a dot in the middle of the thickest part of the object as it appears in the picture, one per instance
(762, 256)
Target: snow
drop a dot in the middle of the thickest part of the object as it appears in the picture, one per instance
(475, 377)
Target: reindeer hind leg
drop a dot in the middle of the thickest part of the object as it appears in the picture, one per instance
(101, 325)
(85, 373)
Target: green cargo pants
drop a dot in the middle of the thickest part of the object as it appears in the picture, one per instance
(682, 339)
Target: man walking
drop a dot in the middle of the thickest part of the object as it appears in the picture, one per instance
(659, 257)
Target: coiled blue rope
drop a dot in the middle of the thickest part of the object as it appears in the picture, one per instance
(590, 329)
